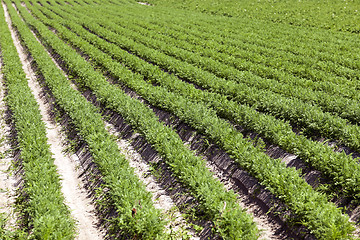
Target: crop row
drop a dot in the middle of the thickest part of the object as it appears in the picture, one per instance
(273, 174)
(41, 204)
(123, 189)
(217, 204)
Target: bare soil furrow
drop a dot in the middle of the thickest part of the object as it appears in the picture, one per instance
(75, 195)
(8, 181)
(177, 225)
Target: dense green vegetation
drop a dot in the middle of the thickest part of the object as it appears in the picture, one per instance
(340, 15)
(283, 70)
(215, 129)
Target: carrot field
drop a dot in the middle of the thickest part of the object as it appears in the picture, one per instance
(179, 119)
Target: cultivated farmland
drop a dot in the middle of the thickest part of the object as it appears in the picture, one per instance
(168, 120)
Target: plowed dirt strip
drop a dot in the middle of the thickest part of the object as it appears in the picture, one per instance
(75, 195)
(7, 177)
(161, 200)
(268, 228)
